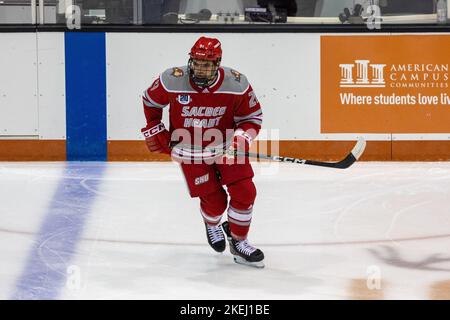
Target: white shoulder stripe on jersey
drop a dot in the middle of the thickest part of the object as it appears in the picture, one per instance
(251, 115)
(250, 121)
(151, 105)
(259, 118)
(152, 102)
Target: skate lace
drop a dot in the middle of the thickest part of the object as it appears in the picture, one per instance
(215, 234)
(245, 247)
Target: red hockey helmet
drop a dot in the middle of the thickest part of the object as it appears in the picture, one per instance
(206, 49)
(204, 61)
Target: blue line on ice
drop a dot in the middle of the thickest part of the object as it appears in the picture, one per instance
(45, 270)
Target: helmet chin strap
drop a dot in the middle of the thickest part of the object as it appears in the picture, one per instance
(202, 82)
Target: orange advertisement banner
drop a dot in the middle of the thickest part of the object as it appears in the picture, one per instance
(385, 84)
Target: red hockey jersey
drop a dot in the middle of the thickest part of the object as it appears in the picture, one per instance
(229, 103)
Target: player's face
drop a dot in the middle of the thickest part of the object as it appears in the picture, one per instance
(205, 69)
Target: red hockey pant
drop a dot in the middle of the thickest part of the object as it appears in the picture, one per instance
(207, 181)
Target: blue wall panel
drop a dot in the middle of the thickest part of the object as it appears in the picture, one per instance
(86, 96)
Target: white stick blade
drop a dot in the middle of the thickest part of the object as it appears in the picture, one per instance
(359, 148)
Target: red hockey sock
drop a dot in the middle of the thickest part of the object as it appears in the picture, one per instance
(243, 194)
(213, 205)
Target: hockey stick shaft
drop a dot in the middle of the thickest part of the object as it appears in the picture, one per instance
(351, 158)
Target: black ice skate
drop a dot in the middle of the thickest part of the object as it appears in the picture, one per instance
(216, 238)
(243, 251)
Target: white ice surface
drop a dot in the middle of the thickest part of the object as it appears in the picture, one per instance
(324, 232)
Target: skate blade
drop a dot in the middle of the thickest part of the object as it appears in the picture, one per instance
(240, 260)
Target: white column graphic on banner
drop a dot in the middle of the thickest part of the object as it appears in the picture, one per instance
(362, 67)
(346, 73)
(378, 74)
(363, 77)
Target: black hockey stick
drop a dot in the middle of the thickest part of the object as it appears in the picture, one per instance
(351, 158)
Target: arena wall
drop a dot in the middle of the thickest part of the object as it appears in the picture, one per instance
(77, 95)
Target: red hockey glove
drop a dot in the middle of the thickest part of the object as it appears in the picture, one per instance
(157, 137)
(241, 142)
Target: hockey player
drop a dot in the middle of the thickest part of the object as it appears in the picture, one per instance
(208, 101)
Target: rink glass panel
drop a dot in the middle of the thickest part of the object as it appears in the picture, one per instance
(201, 12)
